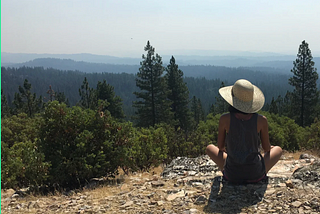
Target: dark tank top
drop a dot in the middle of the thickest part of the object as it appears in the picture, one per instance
(244, 162)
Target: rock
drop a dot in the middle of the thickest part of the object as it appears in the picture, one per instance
(191, 173)
(289, 184)
(191, 211)
(172, 197)
(197, 184)
(201, 200)
(309, 174)
(306, 156)
(296, 203)
(33, 204)
(159, 203)
(15, 196)
(183, 166)
(127, 204)
(157, 183)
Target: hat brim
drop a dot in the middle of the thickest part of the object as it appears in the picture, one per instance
(247, 107)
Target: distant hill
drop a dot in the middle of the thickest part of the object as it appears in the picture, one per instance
(237, 59)
(206, 71)
(13, 58)
(68, 64)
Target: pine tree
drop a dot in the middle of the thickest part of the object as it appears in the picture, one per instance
(88, 96)
(51, 93)
(212, 109)
(305, 94)
(27, 102)
(105, 92)
(197, 110)
(286, 105)
(152, 106)
(221, 106)
(273, 107)
(61, 98)
(178, 95)
(5, 109)
(280, 103)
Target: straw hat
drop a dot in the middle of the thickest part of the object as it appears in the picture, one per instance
(244, 96)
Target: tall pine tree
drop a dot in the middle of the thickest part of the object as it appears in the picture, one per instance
(26, 102)
(305, 94)
(152, 106)
(178, 95)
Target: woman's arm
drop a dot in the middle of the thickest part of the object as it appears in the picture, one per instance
(264, 133)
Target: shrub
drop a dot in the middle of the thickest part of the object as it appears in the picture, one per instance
(313, 136)
(22, 164)
(284, 132)
(78, 144)
(149, 148)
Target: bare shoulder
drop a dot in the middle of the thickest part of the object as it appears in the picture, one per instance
(224, 122)
(262, 117)
(225, 118)
(262, 120)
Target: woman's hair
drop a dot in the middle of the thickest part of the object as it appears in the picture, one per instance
(234, 110)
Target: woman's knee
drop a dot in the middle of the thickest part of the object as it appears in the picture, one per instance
(210, 148)
(277, 150)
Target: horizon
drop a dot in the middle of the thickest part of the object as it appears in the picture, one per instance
(187, 53)
(122, 28)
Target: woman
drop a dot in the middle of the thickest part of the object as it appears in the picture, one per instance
(240, 134)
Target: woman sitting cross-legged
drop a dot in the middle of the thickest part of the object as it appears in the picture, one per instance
(240, 133)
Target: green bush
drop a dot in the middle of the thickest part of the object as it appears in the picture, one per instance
(205, 134)
(284, 132)
(149, 148)
(78, 143)
(20, 128)
(22, 164)
(313, 136)
(177, 146)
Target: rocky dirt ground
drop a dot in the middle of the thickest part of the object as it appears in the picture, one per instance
(187, 186)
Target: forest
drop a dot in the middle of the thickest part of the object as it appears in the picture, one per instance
(205, 88)
(61, 128)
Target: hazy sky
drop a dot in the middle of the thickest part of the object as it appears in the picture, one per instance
(122, 27)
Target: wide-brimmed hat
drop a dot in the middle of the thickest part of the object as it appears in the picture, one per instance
(244, 96)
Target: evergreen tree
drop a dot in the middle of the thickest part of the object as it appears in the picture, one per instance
(221, 106)
(305, 94)
(279, 102)
(105, 92)
(285, 107)
(178, 95)
(273, 107)
(88, 95)
(197, 110)
(5, 109)
(27, 102)
(152, 105)
(212, 109)
(61, 98)
(51, 93)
